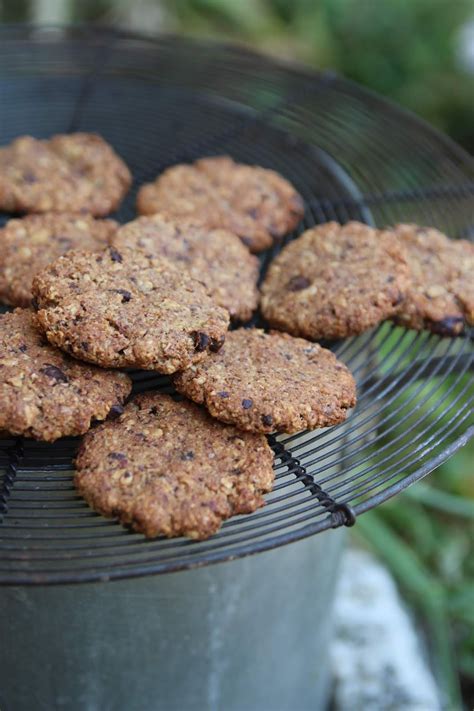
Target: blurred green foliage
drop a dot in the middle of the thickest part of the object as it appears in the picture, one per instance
(405, 49)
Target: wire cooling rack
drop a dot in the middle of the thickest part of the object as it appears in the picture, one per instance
(352, 155)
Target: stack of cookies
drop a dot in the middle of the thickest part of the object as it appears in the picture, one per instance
(160, 293)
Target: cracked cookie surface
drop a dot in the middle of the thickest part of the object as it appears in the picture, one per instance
(215, 257)
(124, 308)
(335, 281)
(77, 172)
(264, 382)
(44, 394)
(29, 244)
(440, 296)
(167, 468)
(255, 203)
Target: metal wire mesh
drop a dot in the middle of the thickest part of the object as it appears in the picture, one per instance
(352, 156)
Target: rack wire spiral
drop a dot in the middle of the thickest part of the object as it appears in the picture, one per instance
(352, 155)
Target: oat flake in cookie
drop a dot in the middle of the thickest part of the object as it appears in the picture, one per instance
(44, 394)
(77, 172)
(167, 468)
(255, 203)
(335, 281)
(216, 257)
(263, 382)
(125, 308)
(29, 244)
(440, 296)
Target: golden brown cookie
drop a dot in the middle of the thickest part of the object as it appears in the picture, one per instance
(167, 468)
(262, 382)
(440, 296)
(27, 245)
(217, 258)
(334, 281)
(124, 308)
(77, 172)
(255, 203)
(44, 394)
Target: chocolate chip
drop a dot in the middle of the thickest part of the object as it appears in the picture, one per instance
(297, 283)
(56, 373)
(22, 348)
(187, 456)
(114, 255)
(216, 344)
(115, 411)
(126, 295)
(449, 326)
(390, 278)
(201, 341)
(65, 242)
(30, 178)
(84, 346)
(223, 393)
(267, 420)
(247, 403)
(153, 410)
(119, 456)
(34, 304)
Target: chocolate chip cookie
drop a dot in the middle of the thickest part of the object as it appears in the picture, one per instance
(27, 245)
(217, 258)
(77, 172)
(44, 394)
(440, 296)
(126, 308)
(262, 382)
(255, 203)
(335, 281)
(167, 468)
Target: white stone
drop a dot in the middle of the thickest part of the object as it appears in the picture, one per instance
(377, 660)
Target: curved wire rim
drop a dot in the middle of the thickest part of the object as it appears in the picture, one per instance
(237, 545)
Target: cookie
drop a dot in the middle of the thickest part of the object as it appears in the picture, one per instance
(167, 468)
(125, 308)
(263, 382)
(334, 281)
(440, 296)
(255, 203)
(27, 245)
(44, 394)
(217, 258)
(77, 172)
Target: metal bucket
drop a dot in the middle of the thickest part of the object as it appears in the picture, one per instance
(248, 635)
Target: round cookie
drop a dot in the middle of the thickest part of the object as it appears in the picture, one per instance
(216, 257)
(77, 172)
(167, 468)
(124, 308)
(44, 394)
(334, 281)
(255, 203)
(263, 382)
(440, 296)
(27, 245)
